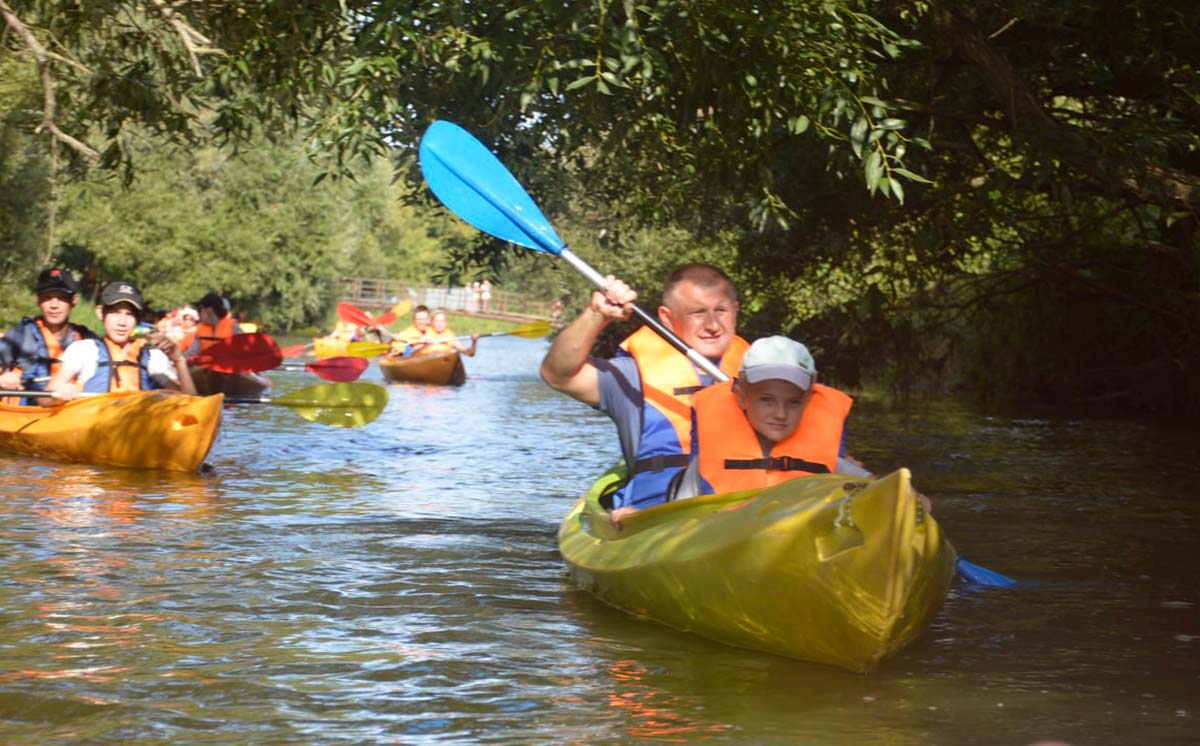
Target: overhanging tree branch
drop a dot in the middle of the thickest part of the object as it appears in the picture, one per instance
(43, 59)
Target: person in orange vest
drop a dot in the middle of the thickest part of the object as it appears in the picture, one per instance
(216, 323)
(31, 352)
(443, 339)
(771, 424)
(412, 338)
(120, 361)
(647, 388)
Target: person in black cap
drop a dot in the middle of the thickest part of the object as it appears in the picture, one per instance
(216, 323)
(31, 352)
(121, 362)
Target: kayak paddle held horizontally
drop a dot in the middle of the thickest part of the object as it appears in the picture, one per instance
(336, 404)
(531, 330)
(472, 182)
(241, 353)
(255, 353)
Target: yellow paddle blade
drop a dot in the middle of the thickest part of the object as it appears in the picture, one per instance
(402, 308)
(367, 349)
(532, 330)
(337, 404)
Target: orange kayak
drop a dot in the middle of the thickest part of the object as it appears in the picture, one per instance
(445, 369)
(137, 429)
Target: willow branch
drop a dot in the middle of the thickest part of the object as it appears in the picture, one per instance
(49, 95)
(194, 42)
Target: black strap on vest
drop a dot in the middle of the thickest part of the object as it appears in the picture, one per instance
(686, 390)
(113, 375)
(777, 463)
(658, 463)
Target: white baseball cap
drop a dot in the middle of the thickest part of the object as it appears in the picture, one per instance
(779, 357)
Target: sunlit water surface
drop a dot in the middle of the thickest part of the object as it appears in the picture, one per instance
(400, 583)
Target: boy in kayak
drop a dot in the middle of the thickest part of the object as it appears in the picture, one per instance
(120, 362)
(647, 389)
(31, 352)
(771, 424)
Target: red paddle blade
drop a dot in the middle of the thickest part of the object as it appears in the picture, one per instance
(353, 315)
(340, 369)
(241, 353)
(385, 318)
(294, 350)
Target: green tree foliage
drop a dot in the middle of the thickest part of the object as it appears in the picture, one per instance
(253, 228)
(968, 190)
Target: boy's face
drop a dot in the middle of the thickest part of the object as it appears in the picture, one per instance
(421, 320)
(119, 321)
(773, 406)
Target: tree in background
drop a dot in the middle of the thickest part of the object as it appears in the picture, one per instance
(1038, 158)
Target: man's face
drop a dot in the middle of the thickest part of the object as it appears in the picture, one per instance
(421, 320)
(704, 317)
(773, 407)
(119, 321)
(56, 306)
(208, 316)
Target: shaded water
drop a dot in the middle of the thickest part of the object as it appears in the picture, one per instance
(400, 583)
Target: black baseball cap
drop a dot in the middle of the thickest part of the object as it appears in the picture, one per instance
(213, 301)
(122, 292)
(56, 279)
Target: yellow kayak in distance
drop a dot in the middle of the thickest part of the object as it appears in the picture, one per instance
(830, 568)
(137, 429)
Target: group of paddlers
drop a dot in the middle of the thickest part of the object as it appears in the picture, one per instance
(428, 334)
(48, 352)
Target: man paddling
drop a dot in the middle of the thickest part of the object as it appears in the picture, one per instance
(32, 351)
(647, 389)
(414, 337)
(120, 362)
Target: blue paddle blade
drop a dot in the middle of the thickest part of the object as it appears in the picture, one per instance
(476, 186)
(973, 573)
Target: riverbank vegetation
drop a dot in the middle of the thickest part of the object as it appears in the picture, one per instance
(998, 199)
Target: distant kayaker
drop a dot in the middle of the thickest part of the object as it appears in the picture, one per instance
(647, 389)
(216, 323)
(413, 337)
(119, 361)
(443, 339)
(32, 350)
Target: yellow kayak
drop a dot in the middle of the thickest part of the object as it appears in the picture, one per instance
(324, 347)
(139, 429)
(827, 568)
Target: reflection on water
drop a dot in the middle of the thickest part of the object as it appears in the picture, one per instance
(400, 583)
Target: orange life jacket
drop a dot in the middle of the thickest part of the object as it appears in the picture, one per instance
(731, 457)
(124, 369)
(669, 380)
(209, 336)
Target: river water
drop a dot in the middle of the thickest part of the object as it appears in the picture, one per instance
(400, 583)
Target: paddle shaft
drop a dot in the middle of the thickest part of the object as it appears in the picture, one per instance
(669, 336)
(546, 239)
